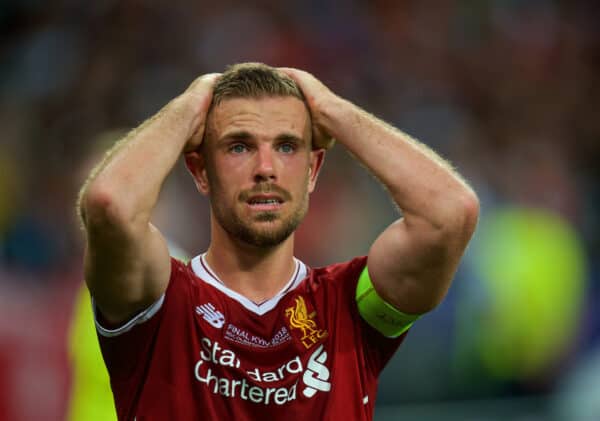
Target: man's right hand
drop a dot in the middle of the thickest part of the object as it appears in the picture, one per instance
(199, 96)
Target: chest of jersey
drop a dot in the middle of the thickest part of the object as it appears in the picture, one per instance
(208, 354)
(276, 358)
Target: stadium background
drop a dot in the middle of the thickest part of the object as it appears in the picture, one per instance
(507, 90)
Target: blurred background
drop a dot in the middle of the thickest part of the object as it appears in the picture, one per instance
(507, 90)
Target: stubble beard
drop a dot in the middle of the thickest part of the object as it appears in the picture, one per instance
(269, 233)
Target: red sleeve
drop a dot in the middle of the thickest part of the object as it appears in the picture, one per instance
(129, 349)
(377, 348)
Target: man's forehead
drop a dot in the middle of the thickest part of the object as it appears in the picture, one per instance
(277, 112)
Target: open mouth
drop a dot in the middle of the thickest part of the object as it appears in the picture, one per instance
(265, 202)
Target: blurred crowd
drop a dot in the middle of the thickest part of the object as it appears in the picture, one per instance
(506, 90)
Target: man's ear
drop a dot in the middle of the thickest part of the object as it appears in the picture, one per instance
(317, 157)
(196, 164)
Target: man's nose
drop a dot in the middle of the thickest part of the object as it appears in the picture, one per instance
(265, 165)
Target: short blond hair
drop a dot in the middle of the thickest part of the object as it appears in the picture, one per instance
(254, 80)
(258, 80)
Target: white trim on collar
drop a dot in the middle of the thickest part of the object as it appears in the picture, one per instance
(203, 271)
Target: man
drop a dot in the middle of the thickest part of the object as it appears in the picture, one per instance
(246, 331)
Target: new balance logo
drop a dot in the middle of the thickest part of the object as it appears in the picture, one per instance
(213, 316)
(316, 375)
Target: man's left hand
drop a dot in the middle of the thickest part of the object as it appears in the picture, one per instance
(317, 96)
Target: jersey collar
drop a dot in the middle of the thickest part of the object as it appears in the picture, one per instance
(203, 271)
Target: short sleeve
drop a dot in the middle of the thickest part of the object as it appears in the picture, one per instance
(376, 349)
(128, 348)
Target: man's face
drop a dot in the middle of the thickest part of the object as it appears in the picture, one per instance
(259, 167)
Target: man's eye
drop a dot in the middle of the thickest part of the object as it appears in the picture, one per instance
(287, 148)
(238, 148)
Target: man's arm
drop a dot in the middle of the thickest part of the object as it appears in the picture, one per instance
(412, 263)
(127, 264)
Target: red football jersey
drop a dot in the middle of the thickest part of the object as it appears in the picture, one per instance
(205, 352)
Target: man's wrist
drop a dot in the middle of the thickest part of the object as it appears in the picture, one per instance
(190, 110)
(332, 110)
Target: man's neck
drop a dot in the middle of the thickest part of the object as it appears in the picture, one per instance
(256, 273)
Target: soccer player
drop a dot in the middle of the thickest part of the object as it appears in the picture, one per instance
(246, 331)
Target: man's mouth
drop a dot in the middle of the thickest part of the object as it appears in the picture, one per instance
(265, 202)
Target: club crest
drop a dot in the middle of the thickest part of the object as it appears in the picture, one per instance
(299, 318)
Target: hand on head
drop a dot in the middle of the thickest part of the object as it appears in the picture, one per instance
(315, 93)
(200, 93)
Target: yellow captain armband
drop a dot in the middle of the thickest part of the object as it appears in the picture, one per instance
(380, 315)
